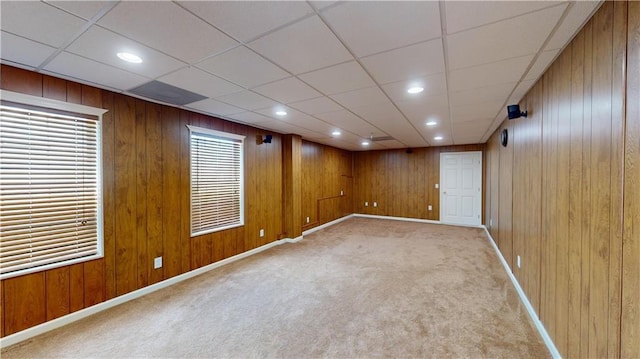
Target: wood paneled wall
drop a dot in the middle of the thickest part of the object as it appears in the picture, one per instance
(146, 204)
(402, 184)
(325, 172)
(564, 194)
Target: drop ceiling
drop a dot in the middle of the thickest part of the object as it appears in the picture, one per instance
(330, 65)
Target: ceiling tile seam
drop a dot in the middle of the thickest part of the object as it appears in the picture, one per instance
(374, 81)
(257, 37)
(509, 18)
(399, 47)
(88, 23)
(445, 51)
(498, 119)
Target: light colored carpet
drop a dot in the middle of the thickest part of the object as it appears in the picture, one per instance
(360, 289)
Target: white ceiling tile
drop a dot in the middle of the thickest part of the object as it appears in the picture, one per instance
(520, 91)
(39, 21)
(463, 15)
(362, 97)
(88, 70)
(247, 100)
(500, 72)
(434, 108)
(371, 27)
(23, 51)
(321, 4)
(345, 120)
(380, 114)
(433, 85)
(524, 35)
(287, 90)
(304, 46)
(214, 107)
(482, 94)
(316, 105)
(477, 111)
(84, 9)
(285, 127)
(578, 15)
(541, 64)
(167, 27)
(407, 63)
(244, 67)
(103, 45)
(245, 20)
(200, 82)
(339, 78)
(250, 117)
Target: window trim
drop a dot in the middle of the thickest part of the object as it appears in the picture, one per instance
(225, 136)
(14, 98)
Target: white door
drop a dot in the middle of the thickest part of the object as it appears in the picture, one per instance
(461, 188)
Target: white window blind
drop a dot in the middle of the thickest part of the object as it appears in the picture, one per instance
(217, 184)
(50, 205)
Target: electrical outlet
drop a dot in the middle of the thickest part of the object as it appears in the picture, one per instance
(307, 219)
(366, 204)
(437, 185)
(430, 207)
(157, 262)
(261, 232)
(341, 193)
(518, 261)
(490, 222)
(375, 204)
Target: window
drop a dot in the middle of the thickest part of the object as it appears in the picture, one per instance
(50, 203)
(217, 184)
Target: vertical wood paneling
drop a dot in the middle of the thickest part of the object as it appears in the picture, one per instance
(57, 292)
(155, 192)
(172, 188)
(145, 168)
(586, 191)
(584, 179)
(22, 81)
(505, 199)
(24, 302)
(109, 198)
(630, 326)
(601, 181)
(76, 287)
(142, 258)
(325, 172)
(125, 190)
(576, 222)
(403, 184)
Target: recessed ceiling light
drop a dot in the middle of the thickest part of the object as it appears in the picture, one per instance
(431, 123)
(415, 89)
(336, 133)
(281, 113)
(438, 138)
(365, 143)
(129, 57)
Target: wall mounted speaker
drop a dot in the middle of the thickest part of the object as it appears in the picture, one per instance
(267, 139)
(513, 111)
(504, 137)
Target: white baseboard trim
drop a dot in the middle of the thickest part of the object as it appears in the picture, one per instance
(532, 313)
(328, 224)
(405, 219)
(75, 316)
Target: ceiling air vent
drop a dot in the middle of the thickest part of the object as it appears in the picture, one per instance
(160, 91)
(380, 138)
